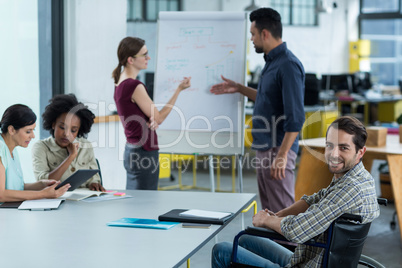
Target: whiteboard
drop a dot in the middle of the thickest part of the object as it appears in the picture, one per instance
(203, 45)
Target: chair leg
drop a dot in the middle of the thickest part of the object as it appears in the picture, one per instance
(393, 222)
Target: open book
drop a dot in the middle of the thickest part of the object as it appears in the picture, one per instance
(82, 193)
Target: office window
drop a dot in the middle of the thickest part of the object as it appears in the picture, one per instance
(147, 10)
(381, 23)
(379, 6)
(296, 12)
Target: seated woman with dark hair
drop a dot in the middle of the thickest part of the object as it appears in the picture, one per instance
(67, 150)
(17, 126)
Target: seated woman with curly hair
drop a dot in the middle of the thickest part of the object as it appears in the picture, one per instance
(67, 150)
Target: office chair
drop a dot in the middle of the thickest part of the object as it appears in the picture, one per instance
(342, 249)
(100, 173)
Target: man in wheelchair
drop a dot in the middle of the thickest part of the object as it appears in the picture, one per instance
(351, 191)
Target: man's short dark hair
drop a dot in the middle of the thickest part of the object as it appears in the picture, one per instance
(269, 19)
(352, 126)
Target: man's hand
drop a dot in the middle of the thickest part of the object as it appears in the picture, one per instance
(228, 86)
(279, 166)
(267, 219)
(261, 219)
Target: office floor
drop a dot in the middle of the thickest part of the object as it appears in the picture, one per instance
(382, 244)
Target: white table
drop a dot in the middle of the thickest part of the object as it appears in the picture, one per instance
(76, 234)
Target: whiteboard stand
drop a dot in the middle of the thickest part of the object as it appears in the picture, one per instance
(240, 175)
(211, 172)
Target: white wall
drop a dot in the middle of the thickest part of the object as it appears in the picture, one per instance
(93, 30)
(19, 65)
(322, 49)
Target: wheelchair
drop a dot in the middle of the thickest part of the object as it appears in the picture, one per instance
(342, 249)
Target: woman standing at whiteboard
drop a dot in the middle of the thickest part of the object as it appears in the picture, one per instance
(139, 115)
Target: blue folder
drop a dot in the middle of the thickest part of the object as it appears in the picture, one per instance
(142, 223)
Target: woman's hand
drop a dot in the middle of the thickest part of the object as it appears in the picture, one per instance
(96, 187)
(186, 83)
(51, 192)
(72, 149)
(228, 86)
(46, 183)
(152, 124)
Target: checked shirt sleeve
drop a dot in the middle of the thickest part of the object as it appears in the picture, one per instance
(317, 218)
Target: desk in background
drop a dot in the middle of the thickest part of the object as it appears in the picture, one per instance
(318, 118)
(76, 234)
(313, 174)
(389, 108)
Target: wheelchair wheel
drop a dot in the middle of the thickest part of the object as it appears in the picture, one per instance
(369, 262)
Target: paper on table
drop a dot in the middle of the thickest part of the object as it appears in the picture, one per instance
(41, 204)
(197, 213)
(105, 197)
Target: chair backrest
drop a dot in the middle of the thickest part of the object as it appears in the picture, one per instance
(347, 240)
(100, 173)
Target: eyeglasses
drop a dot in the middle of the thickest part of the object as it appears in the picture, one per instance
(143, 55)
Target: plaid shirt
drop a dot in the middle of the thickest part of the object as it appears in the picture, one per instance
(352, 193)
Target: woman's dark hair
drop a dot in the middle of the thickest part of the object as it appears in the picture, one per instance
(61, 104)
(18, 116)
(269, 19)
(352, 126)
(128, 47)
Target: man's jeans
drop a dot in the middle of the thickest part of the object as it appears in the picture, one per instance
(256, 251)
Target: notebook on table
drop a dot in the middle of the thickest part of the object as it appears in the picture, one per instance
(142, 223)
(196, 216)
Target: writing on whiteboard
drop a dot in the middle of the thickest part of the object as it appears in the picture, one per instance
(204, 50)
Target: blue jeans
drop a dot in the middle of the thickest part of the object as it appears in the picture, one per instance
(256, 251)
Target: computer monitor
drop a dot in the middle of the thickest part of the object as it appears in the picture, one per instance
(312, 87)
(149, 82)
(363, 81)
(338, 82)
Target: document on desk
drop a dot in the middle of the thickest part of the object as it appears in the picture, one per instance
(41, 204)
(105, 197)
